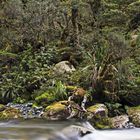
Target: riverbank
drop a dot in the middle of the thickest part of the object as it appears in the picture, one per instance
(97, 114)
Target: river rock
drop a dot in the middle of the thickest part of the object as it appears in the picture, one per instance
(2, 107)
(56, 111)
(64, 67)
(27, 110)
(73, 132)
(121, 122)
(134, 114)
(98, 116)
(97, 111)
(79, 130)
(10, 113)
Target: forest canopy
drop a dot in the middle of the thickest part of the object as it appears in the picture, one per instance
(100, 38)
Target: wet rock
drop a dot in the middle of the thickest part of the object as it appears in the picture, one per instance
(10, 113)
(64, 67)
(78, 130)
(27, 110)
(98, 115)
(73, 132)
(56, 111)
(97, 111)
(134, 115)
(121, 122)
(75, 110)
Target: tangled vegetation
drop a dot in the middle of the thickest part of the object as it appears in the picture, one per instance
(100, 38)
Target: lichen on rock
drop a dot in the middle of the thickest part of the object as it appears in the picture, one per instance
(134, 114)
(64, 67)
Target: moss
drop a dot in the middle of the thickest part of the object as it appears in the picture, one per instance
(2, 107)
(45, 99)
(96, 107)
(103, 124)
(134, 108)
(98, 115)
(134, 114)
(56, 111)
(58, 106)
(10, 113)
(71, 88)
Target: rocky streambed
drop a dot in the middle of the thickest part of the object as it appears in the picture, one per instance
(97, 114)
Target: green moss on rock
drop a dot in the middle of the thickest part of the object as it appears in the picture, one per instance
(103, 123)
(45, 99)
(56, 111)
(98, 111)
(134, 114)
(10, 113)
(2, 107)
(98, 115)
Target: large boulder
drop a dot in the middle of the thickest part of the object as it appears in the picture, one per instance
(63, 67)
(120, 122)
(10, 113)
(56, 111)
(98, 115)
(134, 115)
(97, 111)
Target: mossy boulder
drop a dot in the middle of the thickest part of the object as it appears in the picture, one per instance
(97, 111)
(134, 115)
(10, 113)
(45, 99)
(2, 107)
(98, 115)
(56, 111)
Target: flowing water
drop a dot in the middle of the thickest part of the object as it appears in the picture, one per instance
(42, 130)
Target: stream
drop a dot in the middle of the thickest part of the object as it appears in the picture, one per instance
(43, 130)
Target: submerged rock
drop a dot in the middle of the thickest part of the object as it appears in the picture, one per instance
(121, 122)
(134, 114)
(56, 111)
(79, 130)
(73, 132)
(64, 67)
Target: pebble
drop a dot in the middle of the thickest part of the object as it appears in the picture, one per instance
(27, 110)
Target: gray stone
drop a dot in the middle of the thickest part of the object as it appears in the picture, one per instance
(63, 67)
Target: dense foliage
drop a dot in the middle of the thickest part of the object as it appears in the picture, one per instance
(101, 38)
